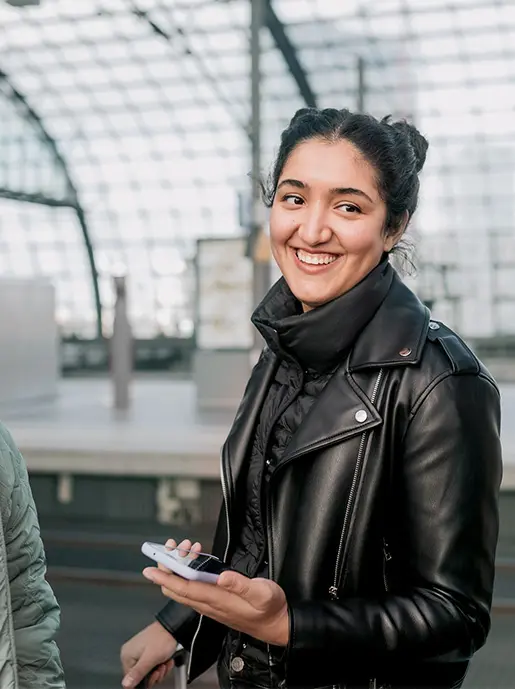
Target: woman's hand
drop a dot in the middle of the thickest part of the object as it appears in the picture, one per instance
(256, 607)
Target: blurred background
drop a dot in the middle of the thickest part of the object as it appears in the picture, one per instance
(134, 247)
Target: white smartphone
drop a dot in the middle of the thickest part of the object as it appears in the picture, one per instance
(196, 567)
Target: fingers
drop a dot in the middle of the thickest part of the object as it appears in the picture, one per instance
(136, 674)
(169, 545)
(196, 548)
(185, 548)
(159, 673)
(157, 676)
(191, 593)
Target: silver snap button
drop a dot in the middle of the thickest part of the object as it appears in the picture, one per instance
(433, 325)
(361, 416)
(237, 664)
(405, 352)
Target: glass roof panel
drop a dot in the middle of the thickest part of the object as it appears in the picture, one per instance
(148, 105)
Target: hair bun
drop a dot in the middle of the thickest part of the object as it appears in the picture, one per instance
(418, 142)
(303, 112)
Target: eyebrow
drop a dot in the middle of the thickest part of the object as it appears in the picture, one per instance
(336, 191)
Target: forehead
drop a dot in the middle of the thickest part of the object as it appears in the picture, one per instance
(319, 163)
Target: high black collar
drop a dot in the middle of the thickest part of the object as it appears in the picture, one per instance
(397, 333)
(319, 339)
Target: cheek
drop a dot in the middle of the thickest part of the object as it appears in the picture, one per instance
(281, 228)
(362, 239)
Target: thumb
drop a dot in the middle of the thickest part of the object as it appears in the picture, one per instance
(259, 593)
(235, 583)
(137, 673)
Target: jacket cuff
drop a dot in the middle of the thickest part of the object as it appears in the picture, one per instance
(303, 648)
(180, 621)
(316, 655)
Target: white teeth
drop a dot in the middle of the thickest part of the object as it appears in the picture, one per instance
(315, 259)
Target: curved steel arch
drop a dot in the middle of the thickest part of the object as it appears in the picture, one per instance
(71, 202)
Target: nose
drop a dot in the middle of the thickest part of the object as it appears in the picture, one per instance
(313, 229)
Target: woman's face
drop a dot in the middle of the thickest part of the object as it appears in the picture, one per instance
(327, 221)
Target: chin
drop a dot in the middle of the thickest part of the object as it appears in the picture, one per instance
(312, 301)
(314, 290)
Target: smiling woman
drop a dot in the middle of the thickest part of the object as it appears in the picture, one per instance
(362, 471)
(327, 229)
(342, 192)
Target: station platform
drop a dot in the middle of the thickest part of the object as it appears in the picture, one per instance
(80, 433)
(163, 434)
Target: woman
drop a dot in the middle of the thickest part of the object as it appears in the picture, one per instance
(362, 472)
(29, 613)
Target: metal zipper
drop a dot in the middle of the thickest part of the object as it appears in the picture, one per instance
(269, 537)
(386, 558)
(225, 495)
(333, 590)
(270, 564)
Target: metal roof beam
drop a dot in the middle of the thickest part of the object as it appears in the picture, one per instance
(289, 53)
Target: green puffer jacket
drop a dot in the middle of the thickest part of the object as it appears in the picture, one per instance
(29, 613)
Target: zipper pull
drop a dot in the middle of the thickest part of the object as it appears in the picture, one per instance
(386, 552)
(333, 592)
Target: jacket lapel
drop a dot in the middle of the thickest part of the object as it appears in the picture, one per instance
(234, 450)
(342, 411)
(394, 337)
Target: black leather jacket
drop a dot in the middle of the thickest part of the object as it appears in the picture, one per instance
(382, 513)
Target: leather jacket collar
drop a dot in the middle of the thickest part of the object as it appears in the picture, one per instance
(321, 338)
(397, 333)
(399, 326)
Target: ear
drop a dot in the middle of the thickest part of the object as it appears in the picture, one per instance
(392, 239)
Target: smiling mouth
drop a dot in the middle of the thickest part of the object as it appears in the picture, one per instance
(318, 259)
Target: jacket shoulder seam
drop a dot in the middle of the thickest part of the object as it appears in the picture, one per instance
(426, 392)
(439, 379)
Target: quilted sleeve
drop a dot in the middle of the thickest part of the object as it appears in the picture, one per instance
(35, 611)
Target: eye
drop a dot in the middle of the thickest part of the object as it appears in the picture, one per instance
(293, 200)
(349, 208)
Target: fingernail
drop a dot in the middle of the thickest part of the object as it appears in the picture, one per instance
(149, 573)
(127, 682)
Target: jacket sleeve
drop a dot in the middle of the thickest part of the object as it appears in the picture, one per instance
(35, 612)
(180, 621)
(449, 478)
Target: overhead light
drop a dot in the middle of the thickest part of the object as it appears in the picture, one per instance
(22, 3)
